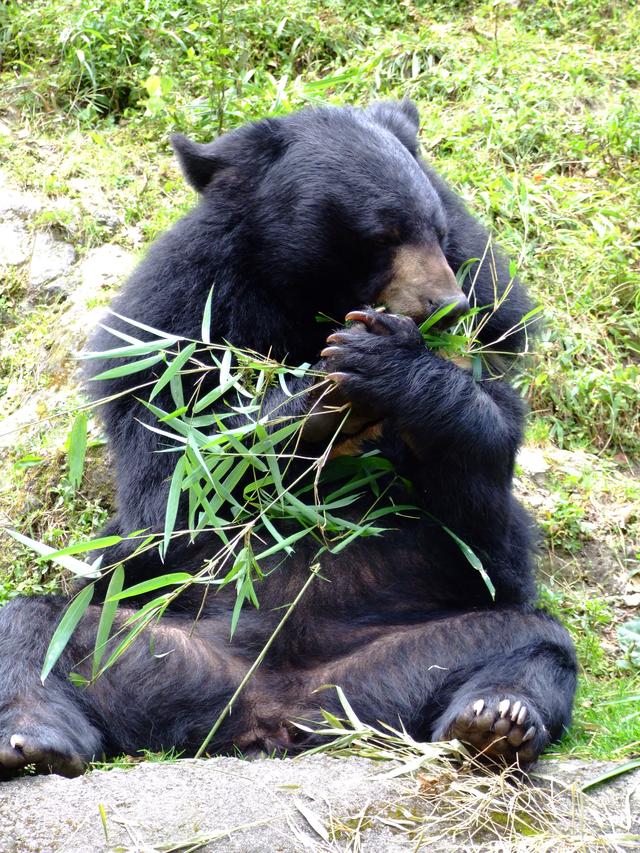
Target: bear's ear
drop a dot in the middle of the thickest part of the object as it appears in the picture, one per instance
(401, 118)
(199, 162)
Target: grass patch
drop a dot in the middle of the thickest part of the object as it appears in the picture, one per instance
(606, 720)
(536, 125)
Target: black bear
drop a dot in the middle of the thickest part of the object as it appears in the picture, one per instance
(326, 211)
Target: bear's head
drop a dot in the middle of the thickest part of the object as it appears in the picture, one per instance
(327, 210)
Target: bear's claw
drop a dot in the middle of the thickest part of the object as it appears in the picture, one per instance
(506, 731)
(48, 754)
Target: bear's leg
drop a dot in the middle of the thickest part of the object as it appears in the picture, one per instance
(165, 691)
(44, 725)
(513, 707)
(501, 681)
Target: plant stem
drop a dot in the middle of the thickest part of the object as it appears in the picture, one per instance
(254, 666)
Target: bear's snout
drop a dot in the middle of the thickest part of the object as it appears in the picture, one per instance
(422, 282)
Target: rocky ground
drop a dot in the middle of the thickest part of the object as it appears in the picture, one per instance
(51, 272)
(316, 803)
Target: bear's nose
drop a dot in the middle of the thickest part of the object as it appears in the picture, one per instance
(457, 307)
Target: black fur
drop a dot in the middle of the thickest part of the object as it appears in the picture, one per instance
(297, 216)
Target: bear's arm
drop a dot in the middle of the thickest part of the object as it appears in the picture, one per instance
(454, 437)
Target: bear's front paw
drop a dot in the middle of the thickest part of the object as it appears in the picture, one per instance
(371, 360)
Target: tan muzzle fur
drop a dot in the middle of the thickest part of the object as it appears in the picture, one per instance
(422, 282)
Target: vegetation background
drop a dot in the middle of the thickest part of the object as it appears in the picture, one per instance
(531, 109)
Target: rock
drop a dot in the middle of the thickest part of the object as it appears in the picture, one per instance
(101, 269)
(15, 243)
(15, 202)
(315, 803)
(59, 288)
(50, 260)
(532, 461)
(96, 203)
(104, 267)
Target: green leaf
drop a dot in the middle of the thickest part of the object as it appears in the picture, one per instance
(177, 392)
(67, 625)
(107, 616)
(283, 544)
(356, 534)
(350, 713)
(83, 570)
(144, 326)
(206, 319)
(131, 367)
(269, 453)
(435, 317)
(132, 349)
(172, 503)
(83, 547)
(176, 424)
(77, 449)
(212, 396)
(225, 368)
(141, 623)
(613, 773)
(472, 558)
(151, 584)
(172, 369)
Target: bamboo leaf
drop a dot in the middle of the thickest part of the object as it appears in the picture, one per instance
(131, 349)
(472, 558)
(225, 368)
(206, 319)
(131, 367)
(172, 369)
(172, 503)
(122, 335)
(83, 570)
(177, 392)
(143, 326)
(61, 636)
(284, 386)
(151, 584)
(77, 449)
(141, 624)
(313, 820)
(350, 713)
(235, 616)
(283, 544)
(436, 317)
(611, 774)
(107, 616)
(212, 396)
(82, 547)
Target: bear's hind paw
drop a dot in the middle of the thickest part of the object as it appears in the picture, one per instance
(502, 730)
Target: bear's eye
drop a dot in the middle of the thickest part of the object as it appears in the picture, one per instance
(390, 237)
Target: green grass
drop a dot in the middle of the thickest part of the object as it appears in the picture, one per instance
(606, 721)
(532, 112)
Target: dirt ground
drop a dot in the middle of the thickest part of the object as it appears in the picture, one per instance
(314, 803)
